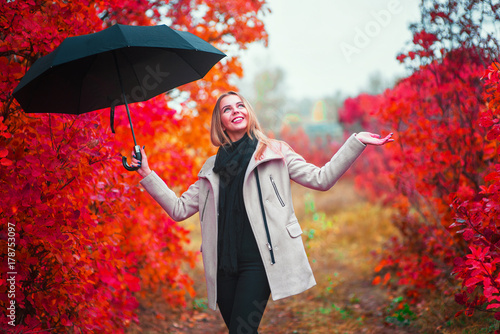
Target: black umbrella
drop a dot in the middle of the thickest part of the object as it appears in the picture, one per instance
(119, 65)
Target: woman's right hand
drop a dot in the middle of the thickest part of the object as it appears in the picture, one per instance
(369, 138)
(144, 169)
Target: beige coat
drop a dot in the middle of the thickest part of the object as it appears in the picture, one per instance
(291, 274)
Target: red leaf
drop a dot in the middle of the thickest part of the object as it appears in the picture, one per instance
(5, 162)
(494, 132)
(387, 277)
(473, 281)
(490, 306)
(468, 235)
(489, 291)
(59, 258)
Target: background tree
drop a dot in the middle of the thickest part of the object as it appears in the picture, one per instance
(443, 158)
(269, 98)
(377, 83)
(89, 244)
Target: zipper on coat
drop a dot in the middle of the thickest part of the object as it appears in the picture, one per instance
(276, 191)
(269, 243)
(205, 205)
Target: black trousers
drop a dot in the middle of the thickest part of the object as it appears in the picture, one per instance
(242, 297)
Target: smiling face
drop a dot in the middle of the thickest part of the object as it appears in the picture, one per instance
(234, 116)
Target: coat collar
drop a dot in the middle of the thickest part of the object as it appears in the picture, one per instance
(269, 154)
(207, 169)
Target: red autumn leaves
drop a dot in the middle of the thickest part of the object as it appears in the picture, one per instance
(90, 244)
(442, 175)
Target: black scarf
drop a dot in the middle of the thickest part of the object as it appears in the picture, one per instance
(231, 164)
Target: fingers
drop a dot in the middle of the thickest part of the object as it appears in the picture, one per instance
(134, 158)
(135, 161)
(139, 163)
(374, 139)
(384, 140)
(389, 138)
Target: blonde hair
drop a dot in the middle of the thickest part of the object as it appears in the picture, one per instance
(218, 136)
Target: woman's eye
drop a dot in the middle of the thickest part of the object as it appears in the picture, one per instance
(241, 106)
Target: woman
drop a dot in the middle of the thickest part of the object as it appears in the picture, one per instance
(251, 239)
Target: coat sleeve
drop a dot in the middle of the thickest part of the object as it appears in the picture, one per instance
(178, 208)
(325, 177)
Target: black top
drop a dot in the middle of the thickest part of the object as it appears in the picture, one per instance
(236, 241)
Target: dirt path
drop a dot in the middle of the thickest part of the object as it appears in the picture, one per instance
(340, 233)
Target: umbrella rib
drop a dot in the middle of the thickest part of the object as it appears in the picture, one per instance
(124, 97)
(131, 64)
(185, 62)
(188, 65)
(89, 66)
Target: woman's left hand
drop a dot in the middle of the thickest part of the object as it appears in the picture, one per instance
(369, 138)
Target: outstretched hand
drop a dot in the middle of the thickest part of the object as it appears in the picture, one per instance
(369, 138)
(144, 169)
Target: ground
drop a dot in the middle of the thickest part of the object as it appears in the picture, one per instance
(342, 232)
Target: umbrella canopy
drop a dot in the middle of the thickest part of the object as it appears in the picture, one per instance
(116, 66)
(83, 73)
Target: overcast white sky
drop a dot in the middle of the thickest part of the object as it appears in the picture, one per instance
(326, 46)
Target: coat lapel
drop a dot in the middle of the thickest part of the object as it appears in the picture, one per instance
(269, 154)
(208, 173)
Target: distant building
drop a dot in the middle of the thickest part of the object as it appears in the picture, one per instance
(317, 126)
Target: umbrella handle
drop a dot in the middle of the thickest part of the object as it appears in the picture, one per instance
(138, 156)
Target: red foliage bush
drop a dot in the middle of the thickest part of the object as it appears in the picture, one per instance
(317, 152)
(80, 241)
(371, 171)
(439, 154)
(478, 217)
(442, 173)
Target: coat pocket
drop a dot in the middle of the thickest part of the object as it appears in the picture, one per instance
(204, 206)
(276, 191)
(294, 229)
